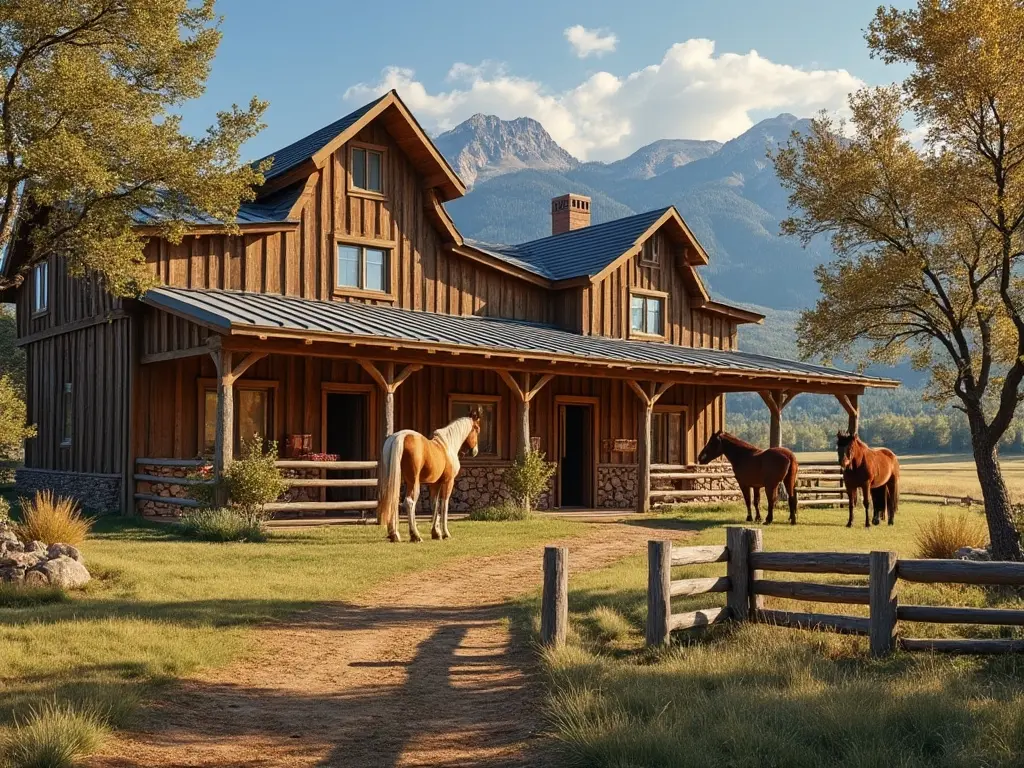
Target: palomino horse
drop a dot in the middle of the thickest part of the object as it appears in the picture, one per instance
(755, 469)
(875, 471)
(411, 457)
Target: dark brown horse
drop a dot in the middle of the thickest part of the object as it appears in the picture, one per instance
(875, 471)
(756, 468)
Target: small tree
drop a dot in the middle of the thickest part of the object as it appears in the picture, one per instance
(13, 430)
(527, 478)
(254, 480)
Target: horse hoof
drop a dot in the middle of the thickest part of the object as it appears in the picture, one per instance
(435, 535)
(394, 538)
(867, 525)
(415, 539)
(447, 536)
(792, 522)
(892, 523)
(849, 525)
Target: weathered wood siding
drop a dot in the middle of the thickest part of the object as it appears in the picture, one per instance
(72, 301)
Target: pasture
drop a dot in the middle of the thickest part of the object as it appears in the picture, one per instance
(760, 696)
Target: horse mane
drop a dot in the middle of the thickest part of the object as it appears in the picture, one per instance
(737, 441)
(455, 434)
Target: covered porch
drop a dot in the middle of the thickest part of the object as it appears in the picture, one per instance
(330, 381)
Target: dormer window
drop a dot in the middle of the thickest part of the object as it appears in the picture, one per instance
(363, 268)
(367, 169)
(41, 287)
(647, 314)
(650, 253)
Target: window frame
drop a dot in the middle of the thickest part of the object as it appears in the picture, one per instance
(363, 244)
(40, 287)
(67, 426)
(499, 433)
(270, 386)
(360, 191)
(684, 412)
(648, 295)
(651, 251)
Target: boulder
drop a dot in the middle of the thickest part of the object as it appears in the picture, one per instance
(21, 559)
(12, 574)
(973, 553)
(57, 550)
(36, 578)
(64, 572)
(36, 546)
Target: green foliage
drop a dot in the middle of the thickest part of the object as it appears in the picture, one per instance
(55, 735)
(527, 477)
(254, 480)
(5, 510)
(53, 520)
(499, 513)
(13, 430)
(943, 535)
(221, 524)
(12, 357)
(91, 132)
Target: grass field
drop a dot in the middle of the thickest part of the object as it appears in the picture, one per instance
(160, 607)
(949, 473)
(765, 696)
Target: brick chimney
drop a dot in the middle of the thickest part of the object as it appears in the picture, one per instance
(569, 212)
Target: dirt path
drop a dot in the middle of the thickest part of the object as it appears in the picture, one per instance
(423, 671)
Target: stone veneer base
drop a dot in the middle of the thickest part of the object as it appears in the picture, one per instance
(95, 492)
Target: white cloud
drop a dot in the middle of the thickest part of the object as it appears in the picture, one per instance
(691, 93)
(586, 42)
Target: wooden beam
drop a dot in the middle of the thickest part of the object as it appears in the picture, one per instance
(539, 386)
(251, 359)
(224, 440)
(644, 397)
(852, 408)
(512, 384)
(375, 374)
(663, 387)
(408, 371)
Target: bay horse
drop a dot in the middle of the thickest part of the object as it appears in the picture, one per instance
(410, 457)
(756, 468)
(875, 471)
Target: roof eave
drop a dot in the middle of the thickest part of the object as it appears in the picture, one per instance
(739, 314)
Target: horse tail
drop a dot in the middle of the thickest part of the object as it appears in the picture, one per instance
(894, 489)
(389, 478)
(794, 469)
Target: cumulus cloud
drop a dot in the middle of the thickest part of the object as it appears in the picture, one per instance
(692, 93)
(590, 42)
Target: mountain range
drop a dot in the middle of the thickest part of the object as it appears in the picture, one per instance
(728, 193)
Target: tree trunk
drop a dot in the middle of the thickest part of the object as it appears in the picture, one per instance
(1002, 533)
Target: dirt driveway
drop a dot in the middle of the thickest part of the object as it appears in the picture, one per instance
(423, 671)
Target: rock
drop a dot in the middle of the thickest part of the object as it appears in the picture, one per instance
(36, 578)
(12, 574)
(57, 550)
(65, 572)
(973, 553)
(21, 559)
(35, 546)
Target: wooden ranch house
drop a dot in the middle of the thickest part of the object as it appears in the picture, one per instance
(350, 306)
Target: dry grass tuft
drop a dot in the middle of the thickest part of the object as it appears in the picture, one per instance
(52, 519)
(55, 736)
(943, 535)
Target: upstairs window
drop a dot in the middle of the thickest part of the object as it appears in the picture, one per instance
(367, 169)
(41, 287)
(363, 267)
(650, 253)
(65, 431)
(647, 315)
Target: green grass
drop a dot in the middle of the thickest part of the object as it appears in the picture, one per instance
(751, 695)
(161, 607)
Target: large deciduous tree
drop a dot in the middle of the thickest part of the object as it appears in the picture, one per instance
(88, 133)
(929, 239)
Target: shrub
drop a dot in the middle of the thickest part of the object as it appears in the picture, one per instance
(503, 512)
(942, 536)
(527, 478)
(55, 736)
(221, 524)
(254, 480)
(52, 519)
(5, 510)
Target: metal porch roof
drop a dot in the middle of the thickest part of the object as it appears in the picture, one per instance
(228, 311)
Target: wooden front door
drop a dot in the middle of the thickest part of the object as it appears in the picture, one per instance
(576, 455)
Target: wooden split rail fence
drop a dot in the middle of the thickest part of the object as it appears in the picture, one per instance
(362, 505)
(744, 586)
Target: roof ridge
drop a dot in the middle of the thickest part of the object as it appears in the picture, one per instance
(591, 227)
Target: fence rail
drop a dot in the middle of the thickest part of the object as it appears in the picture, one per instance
(745, 588)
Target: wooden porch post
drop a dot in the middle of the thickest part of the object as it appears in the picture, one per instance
(389, 384)
(852, 408)
(224, 438)
(523, 395)
(645, 414)
(776, 401)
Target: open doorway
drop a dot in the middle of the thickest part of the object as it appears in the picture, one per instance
(576, 460)
(346, 426)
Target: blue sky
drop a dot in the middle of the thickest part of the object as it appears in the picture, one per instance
(638, 71)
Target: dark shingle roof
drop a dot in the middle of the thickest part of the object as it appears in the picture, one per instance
(579, 253)
(300, 151)
(272, 209)
(234, 310)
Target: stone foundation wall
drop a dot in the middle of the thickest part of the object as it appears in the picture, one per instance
(95, 492)
(616, 486)
(172, 489)
(481, 485)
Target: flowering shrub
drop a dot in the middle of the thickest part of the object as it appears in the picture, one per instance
(318, 457)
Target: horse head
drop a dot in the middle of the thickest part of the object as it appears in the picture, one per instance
(844, 448)
(471, 444)
(712, 450)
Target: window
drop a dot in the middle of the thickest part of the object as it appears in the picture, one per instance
(463, 405)
(363, 267)
(668, 437)
(368, 170)
(650, 252)
(647, 315)
(65, 431)
(41, 287)
(252, 412)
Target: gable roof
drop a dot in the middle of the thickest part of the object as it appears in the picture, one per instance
(272, 209)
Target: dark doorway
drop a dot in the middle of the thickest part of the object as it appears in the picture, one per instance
(576, 424)
(348, 438)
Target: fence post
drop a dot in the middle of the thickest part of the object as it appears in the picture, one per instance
(882, 602)
(554, 613)
(739, 541)
(659, 597)
(756, 545)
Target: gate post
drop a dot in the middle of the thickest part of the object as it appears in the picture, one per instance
(739, 542)
(882, 602)
(554, 613)
(659, 592)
